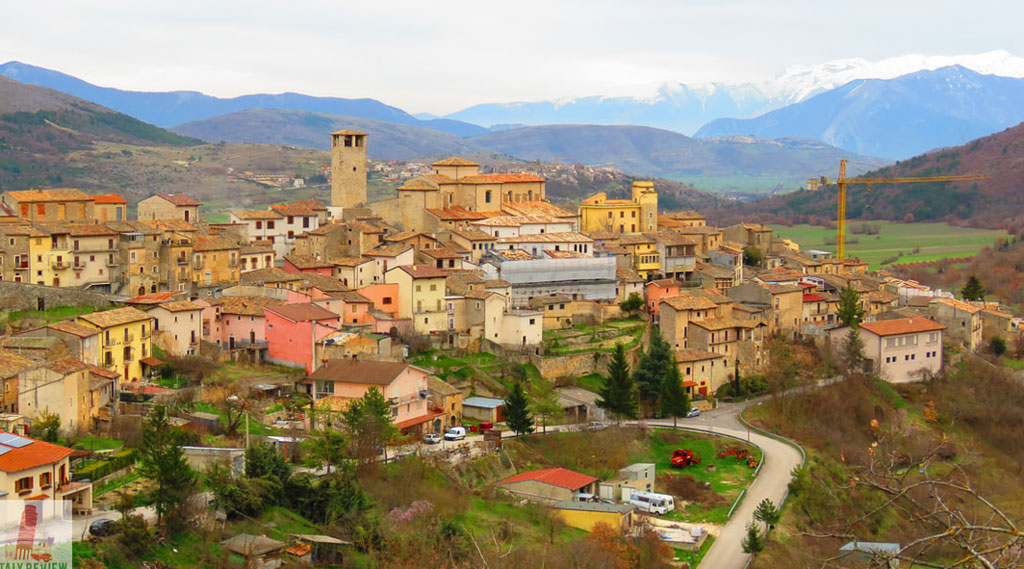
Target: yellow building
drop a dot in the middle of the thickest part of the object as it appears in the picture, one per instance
(77, 255)
(124, 339)
(644, 251)
(110, 207)
(636, 215)
(421, 292)
(214, 262)
(586, 515)
(49, 205)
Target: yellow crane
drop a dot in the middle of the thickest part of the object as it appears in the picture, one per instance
(842, 181)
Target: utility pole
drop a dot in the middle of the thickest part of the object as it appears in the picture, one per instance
(247, 430)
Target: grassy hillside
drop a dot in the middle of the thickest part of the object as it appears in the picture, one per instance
(896, 242)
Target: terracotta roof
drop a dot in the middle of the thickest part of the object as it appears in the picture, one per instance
(559, 237)
(349, 261)
(108, 199)
(960, 305)
(180, 306)
(115, 317)
(257, 248)
(901, 326)
(456, 213)
(691, 355)
(723, 323)
(312, 204)
(153, 297)
(66, 366)
(244, 305)
(662, 283)
(441, 253)
(561, 477)
(307, 262)
(423, 271)
(54, 195)
(628, 276)
(565, 255)
(180, 199)
(359, 371)
(500, 179)
(302, 312)
(213, 244)
(405, 235)
(294, 209)
(269, 275)
(325, 229)
(12, 363)
(473, 234)
(349, 132)
(813, 298)
(73, 328)
(454, 161)
(322, 282)
(388, 250)
(535, 208)
(672, 239)
(36, 453)
(689, 302)
(255, 214)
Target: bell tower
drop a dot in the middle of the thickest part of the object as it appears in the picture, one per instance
(348, 168)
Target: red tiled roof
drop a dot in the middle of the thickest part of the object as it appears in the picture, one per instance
(108, 198)
(561, 477)
(454, 161)
(416, 420)
(901, 326)
(500, 179)
(180, 199)
(37, 453)
(424, 271)
(813, 298)
(153, 298)
(302, 312)
(293, 209)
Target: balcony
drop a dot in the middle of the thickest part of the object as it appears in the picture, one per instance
(182, 261)
(60, 264)
(22, 266)
(110, 342)
(112, 262)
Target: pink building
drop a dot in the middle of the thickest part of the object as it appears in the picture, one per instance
(383, 296)
(901, 350)
(658, 290)
(307, 264)
(292, 331)
(353, 307)
(235, 320)
(339, 381)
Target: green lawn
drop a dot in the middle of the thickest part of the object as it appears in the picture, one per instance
(98, 443)
(51, 314)
(591, 382)
(934, 240)
(255, 427)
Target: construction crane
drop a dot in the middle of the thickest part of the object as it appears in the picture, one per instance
(842, 181)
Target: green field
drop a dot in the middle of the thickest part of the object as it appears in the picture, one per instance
(934, 241)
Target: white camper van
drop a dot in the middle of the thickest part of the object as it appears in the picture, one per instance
(653, 502)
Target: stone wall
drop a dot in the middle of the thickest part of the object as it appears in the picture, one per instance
(23, 296)
(575, 365)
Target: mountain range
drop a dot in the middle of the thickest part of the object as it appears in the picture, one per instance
(895, 118)
(686, 107)
(172, 108)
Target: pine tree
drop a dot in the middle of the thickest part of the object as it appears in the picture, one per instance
(768, 514)
(674, 401)
(545, 402)
(853, 351)
(162, 461)
(850, 312)
(618, 394)
(517, 410)
(737, 390)
(368, 422)
(753, 543)
(651, 368)
(973, 289)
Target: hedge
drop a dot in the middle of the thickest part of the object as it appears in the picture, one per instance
(98, 470)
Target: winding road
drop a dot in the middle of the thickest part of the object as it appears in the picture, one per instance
(772, 482)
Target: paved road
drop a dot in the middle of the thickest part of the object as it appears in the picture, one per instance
(772, 482)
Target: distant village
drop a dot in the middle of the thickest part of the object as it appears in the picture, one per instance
(343, 293)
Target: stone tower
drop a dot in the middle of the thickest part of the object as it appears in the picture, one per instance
(348, 168)
(647, 198)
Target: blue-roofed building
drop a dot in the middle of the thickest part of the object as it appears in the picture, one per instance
(484, 409)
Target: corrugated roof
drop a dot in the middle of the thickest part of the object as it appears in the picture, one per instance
(901, 326)
(561, 477)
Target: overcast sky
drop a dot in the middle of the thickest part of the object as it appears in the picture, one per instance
(443, 56)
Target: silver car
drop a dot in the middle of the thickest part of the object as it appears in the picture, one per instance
(431, 438)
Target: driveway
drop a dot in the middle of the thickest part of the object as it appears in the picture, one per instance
(772, 482)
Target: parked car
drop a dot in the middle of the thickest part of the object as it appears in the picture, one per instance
(103, 528)
(432, 438)
(455, 434)
(694, 412)
(596, 426)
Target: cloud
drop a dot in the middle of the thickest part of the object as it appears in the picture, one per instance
(440, 57)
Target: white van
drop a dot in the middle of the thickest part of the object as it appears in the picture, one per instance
(653, 502)
(455, 434)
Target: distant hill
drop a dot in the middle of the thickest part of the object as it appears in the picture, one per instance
(655, 152)
(40, 126)
(895, 118)
(994, 203)
(176, 107)
(388, 140)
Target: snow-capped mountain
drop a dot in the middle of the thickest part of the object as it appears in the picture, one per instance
(685, 108)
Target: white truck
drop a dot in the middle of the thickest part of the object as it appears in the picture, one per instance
(653, 502)
(455, 434)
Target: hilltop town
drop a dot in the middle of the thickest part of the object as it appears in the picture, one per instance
(346, 383)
